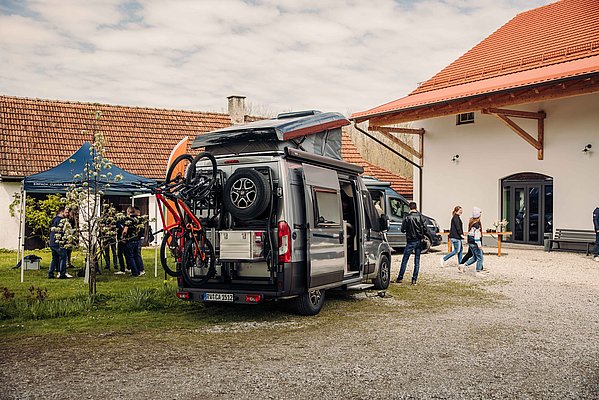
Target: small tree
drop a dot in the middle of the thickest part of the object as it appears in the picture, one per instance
(85, 194)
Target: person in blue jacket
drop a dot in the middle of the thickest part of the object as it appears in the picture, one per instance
(596, 225)
(57, 240)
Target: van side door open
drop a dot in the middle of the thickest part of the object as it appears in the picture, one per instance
(325, 237)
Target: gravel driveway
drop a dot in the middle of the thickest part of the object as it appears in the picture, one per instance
(534, 335)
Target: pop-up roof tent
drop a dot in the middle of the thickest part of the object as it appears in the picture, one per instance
(312, 131)
(72, 171)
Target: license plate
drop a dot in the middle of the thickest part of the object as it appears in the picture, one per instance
(226, 297)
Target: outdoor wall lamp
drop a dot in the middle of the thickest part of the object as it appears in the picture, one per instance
(587, 148)
(455, 158)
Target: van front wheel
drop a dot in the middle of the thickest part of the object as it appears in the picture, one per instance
(427, 243)
(381, 282)
(310, 303)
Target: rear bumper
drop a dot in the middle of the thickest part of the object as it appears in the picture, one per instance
(226, 296)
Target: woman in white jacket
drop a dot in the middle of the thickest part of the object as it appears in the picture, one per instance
(475, 233)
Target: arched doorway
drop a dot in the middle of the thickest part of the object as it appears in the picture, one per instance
(527, 205)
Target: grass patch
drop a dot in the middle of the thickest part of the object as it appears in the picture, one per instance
(148, 304)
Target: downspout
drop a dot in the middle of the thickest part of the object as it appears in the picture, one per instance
(392, 150)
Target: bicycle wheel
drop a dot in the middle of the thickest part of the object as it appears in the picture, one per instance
(202, 181)
(178, 168)
(198, 260)
(171, 252)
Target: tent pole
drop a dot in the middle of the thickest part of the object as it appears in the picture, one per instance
(155, 230)
(21, 236)
(20, 221)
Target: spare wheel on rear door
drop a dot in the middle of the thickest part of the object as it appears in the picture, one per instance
(246, 194)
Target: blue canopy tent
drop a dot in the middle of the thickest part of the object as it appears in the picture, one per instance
(72, 171)
(59, 178)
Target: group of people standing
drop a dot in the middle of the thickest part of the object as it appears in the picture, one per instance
(474, 239)
(124, 238)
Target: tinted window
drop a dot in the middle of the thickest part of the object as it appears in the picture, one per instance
(326, 207)
(372, 216)
(397, 207)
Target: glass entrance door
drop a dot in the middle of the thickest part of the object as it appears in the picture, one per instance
(527, 204)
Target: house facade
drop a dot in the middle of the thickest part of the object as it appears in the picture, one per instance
(37, 134)
(512, 126)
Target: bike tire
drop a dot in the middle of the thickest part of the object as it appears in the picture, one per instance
(169, 259)
(191, 174)
(190, 260)
(175, 164)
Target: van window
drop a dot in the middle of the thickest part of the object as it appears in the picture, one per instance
(372, 216)
(326, 207)
(398, 208)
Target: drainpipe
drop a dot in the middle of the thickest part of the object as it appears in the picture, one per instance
(392, 150)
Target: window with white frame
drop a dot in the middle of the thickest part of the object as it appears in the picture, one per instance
(465, 118)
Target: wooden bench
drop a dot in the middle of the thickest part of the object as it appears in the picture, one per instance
(573, 236)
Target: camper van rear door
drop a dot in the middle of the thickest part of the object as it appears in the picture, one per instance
(326, 244)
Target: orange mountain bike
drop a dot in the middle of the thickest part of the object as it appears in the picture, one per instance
(185, 251)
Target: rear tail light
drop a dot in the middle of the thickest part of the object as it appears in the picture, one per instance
(284, 242)
(253, 298)
(183, 295)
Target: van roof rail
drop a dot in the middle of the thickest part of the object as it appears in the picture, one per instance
(295, 114)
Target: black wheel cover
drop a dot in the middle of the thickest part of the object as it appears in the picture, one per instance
(246, 194)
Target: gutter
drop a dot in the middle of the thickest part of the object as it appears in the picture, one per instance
(400, 155)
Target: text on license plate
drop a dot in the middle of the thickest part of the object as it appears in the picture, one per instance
(228, 297)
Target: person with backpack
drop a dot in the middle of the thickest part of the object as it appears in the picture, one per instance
(475, 234)
(414, 227)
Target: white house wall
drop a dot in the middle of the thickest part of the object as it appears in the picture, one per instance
(489, 151)
(9, 226)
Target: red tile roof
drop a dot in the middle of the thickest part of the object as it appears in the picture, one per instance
(400, 184)
(36, 135)
(553, 42)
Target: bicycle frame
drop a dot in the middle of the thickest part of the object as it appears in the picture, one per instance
(179, 229)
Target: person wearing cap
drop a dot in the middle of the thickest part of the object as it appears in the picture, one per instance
(475, 234)
(414, 227)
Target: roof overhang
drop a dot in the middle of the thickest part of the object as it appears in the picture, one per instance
(555, 81)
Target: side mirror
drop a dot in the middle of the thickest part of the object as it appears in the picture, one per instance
(384, 223)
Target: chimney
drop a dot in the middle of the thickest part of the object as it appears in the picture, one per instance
(237, 109)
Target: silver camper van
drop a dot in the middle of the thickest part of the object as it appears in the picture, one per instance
(288, 219)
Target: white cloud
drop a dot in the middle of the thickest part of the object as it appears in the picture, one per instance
(337, 55)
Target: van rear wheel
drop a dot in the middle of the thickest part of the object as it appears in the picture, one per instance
(310, 303)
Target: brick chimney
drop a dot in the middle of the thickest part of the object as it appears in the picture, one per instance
(237, 109)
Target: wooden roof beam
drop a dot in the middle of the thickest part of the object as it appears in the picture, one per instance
(387, 131)
(504, 116)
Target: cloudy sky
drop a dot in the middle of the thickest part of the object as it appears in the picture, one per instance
(333, 55)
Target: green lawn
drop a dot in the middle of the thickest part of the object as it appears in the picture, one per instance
(53, 308)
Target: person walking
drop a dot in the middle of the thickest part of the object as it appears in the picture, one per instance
(57, 240)
(475, 234)
(413, 226)
(456, 232)
(596, 225)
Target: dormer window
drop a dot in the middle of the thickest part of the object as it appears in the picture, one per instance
(465, 118)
